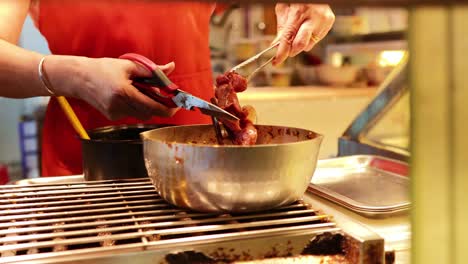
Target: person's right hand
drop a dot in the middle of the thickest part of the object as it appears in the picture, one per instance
(106, 84)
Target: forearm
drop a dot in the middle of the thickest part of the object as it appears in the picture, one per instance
(18, 72)
(104, 83)
(19, 77)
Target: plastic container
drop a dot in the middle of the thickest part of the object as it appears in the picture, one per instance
(4, 177)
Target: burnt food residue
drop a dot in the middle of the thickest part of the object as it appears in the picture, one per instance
(191, 257)
(325, 244)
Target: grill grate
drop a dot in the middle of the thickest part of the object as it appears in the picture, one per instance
(48, 220)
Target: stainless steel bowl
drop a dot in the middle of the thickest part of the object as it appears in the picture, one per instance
(189, 170)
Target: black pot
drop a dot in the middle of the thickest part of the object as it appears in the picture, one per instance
(115, 152)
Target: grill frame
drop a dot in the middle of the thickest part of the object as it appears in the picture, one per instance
(127, 201)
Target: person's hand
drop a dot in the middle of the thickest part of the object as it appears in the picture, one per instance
(300, 27)
(109, 88)
(106, 84)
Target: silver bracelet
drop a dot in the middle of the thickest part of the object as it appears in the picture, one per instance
(43, 77)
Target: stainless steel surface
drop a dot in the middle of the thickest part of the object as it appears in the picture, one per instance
(188, 101)
(395, 230)
(368, 185)
(391, 90)
(348, 147)
(110, 221)
(191, 171)
(253, 59)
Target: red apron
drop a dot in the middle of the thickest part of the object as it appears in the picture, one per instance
(162, 31)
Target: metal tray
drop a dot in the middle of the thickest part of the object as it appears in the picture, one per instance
(368, 185)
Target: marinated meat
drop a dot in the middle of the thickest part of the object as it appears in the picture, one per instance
(242, 132)
(237, 82)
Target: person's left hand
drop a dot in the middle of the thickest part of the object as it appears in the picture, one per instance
(300, 27)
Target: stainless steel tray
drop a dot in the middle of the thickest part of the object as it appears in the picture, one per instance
(368, 185)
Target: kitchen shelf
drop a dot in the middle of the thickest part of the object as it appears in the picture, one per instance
(371, 37)
(305, 92)
(347, 3)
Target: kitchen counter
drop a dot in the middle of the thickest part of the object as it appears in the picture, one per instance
(325, 110)
(304, 92)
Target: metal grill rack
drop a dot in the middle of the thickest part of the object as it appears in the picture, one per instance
(46, 221)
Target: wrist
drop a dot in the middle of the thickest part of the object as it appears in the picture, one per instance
(44, 79)
(63, 74)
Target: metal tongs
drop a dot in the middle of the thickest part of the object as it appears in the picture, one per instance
(216, 124)
(253, 59)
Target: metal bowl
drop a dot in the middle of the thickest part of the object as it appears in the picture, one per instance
(190, 170)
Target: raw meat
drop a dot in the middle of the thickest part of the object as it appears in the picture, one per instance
(242, 132)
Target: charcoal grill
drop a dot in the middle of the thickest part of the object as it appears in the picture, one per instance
(126, 220)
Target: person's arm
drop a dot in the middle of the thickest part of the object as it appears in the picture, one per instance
(104, 83)
(300, 27)
(16, 64)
